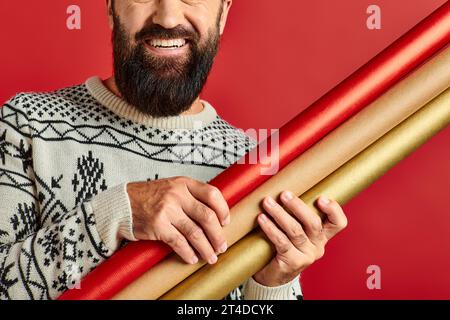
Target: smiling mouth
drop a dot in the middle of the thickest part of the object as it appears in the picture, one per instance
(167, 44)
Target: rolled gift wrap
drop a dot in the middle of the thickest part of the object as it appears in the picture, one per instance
(151, 254)
(212, 282)
(350, 96)
(315, 164)
(343, 101)
(232, 269)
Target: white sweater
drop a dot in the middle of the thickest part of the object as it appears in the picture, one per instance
(65, 159)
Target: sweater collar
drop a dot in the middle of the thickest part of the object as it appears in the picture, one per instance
(120, 107)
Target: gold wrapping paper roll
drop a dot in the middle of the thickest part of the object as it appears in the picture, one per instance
(254, 251)
(240, 262)
(315, 164)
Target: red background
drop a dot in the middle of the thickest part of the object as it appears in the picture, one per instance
(277, 57)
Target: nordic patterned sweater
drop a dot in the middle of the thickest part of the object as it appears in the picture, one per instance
(65, 159)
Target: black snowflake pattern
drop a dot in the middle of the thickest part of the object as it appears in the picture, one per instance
(51, 245)
(88, 181)
(69, 278)
(21, 152)
(61, 282)
(25, 222)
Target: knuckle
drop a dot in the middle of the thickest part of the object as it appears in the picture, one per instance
(169, 196)
(282, 244)
(195, 233)
(174, 240)
(213, 193)
(179, 179)
(184, 225)
(206, 216)
(299, 236)
(295, 231)
(165, 184)
(280, 240)
(283, 248)
(161, 207)
(174, 188)
(156, 219)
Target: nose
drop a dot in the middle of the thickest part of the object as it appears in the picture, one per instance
(168, 13)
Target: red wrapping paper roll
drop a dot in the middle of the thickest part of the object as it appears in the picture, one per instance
(351, 95)
(146, 253)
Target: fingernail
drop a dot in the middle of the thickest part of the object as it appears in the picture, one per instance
(263, 217)
(226, 221)
(270, 201)
(212, 259)
(194, 260)
(288, 195)
(324, 200)
(223, 248)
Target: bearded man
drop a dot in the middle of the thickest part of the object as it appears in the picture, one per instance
(86, 168)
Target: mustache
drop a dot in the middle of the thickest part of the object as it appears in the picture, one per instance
(159, 32)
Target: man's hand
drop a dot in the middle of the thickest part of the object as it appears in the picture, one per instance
(298, 235)
(184, 213)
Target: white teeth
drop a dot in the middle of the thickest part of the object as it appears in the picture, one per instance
(173, 43)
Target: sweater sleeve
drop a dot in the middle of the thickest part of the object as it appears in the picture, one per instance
(41, 262)
(252, 290)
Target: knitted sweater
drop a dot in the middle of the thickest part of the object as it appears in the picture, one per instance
(65, 159)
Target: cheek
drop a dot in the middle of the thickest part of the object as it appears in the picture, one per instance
(133, 21)
(203, 21)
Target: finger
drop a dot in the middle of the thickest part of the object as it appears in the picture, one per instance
(197, 238)
(209, 222)
(276, 236)
(172, 237)
(287, 223)
(212, 197)
(311, 222)
(336, 220)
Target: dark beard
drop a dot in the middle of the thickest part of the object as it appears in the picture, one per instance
(161, 87)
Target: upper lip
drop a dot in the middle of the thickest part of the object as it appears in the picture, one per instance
(149, 39)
